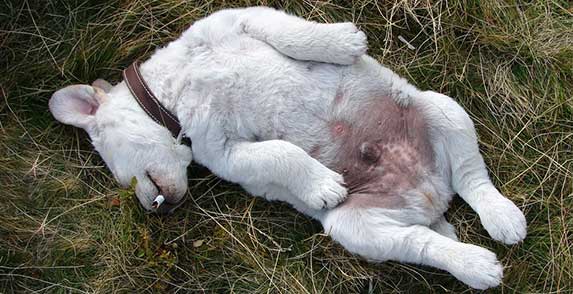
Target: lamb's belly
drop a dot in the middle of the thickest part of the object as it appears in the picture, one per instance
(384, 153)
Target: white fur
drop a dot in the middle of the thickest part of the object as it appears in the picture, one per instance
(251, 88)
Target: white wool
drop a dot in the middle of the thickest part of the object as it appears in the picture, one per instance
(250, 87)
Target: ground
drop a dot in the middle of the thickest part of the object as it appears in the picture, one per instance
(66, 226)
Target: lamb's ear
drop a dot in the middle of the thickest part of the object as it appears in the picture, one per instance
(76, 105)
(102, 84)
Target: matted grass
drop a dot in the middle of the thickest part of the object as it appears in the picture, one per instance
(65, 226)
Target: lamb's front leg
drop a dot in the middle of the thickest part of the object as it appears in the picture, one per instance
(339, 43)
(273, 162)
(282, 163)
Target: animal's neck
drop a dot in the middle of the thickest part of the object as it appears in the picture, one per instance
(165, 74)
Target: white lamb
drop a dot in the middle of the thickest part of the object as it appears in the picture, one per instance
(295, 111)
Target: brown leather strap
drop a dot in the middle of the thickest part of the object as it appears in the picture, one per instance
(148, 101)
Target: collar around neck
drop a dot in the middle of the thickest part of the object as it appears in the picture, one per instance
(150, 104)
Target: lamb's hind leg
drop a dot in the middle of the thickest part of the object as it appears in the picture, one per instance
(444, 228)
(373, 235)
(457, 152)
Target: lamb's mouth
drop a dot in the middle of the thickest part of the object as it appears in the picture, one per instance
(165, 206)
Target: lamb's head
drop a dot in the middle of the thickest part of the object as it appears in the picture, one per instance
(129, 141)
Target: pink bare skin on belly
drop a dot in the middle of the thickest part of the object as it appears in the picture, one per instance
(382, 153)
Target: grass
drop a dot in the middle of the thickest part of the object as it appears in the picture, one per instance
(67, 227)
